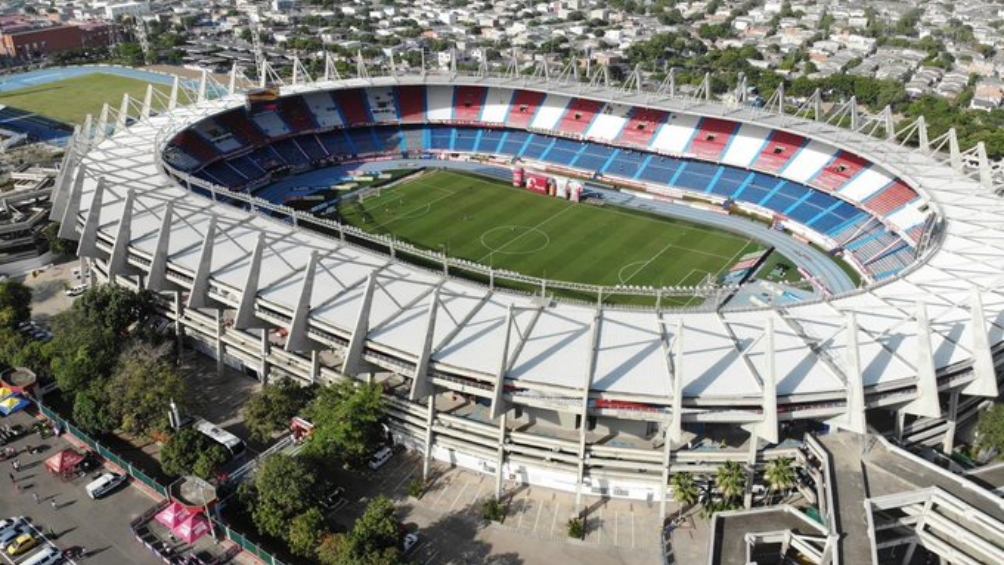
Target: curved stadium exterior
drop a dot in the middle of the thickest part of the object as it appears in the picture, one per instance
(581, 397)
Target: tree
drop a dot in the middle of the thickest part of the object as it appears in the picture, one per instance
(58, 245)
(116, 308)
(81, 351)
(332, 549)
(141, 389)
(375, 538)
(269, 410)
(731, 481)
(15, 303)
(283, 489)
(346, 418)
(576, 528)
(684, 488)
(990, 429)
(90, 409)
(305, 532)
(779, 475)
(189, 452)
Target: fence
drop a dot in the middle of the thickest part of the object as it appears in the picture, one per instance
(162, 490)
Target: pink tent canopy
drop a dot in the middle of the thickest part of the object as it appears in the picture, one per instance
(173, 515)
(192, 528)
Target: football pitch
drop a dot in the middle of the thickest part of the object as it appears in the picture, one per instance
(492, 223)
(72, 99)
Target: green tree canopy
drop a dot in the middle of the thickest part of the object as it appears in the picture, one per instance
(990, 429)
(305, 532)
(189, 452)
(375, 539)
(346, 418)
(15, 303)
(141, 389)
(283, 489)
(269, 410)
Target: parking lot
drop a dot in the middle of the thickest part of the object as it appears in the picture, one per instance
(448, 518)
(64, 513)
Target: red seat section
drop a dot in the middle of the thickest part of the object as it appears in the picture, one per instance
(523, 108)
(467, 103)
(712, 138)
(296, 113)
(781, 147)
(841, 169)
(411, 104)
(353, 104)
(642, 125)
(891, 198)
(579, 115)
(238, 123)
(194, 145)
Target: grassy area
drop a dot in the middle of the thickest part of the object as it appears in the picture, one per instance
(778, 268)
(72, 99)
(492, 223)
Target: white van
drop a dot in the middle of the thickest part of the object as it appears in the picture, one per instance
(48, 555)
(104, 484)
(380, 457)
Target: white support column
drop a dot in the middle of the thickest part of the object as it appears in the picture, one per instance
(232, 83)
(203, 84)
(584, 408)
(354, 352)
(245, 316)
(497, 407)
(179, 328)
(986, 174)
(768, 428)
(948, 442)
(172, 101)
(88, 246)
(68, 221)
(157, 278)
(854, 419)
(852, 107)
(315, 365)
(220, 349)
(667, 457)
(266, 350)
(102, 129)
(890, 124)
(118, 263)
(123, 118)
(420, 386)
(430, 418)
(676, 423)
(984, 381)
(296, 70)
(64, 181)
(955, 156)
(147, 107)
(199, 295)
(926, 404)
(298, 339)
(500, 454)
(922, 139)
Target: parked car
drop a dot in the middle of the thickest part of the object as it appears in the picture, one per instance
(9, 523)
(12, 534)
(380, 458)
(21, 544)
(104, 484)
(410, 541)
(329, 500)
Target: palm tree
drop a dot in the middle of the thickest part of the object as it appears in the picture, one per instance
(779, 475)
(684, 489)
(731, 480)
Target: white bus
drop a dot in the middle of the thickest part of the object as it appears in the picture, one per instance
(233, 444)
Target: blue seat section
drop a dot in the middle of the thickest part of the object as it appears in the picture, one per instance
(246, 165)
(336, 142)
(729, 181)
(391, 139)
(513, 143)
(594, 157)
(489, 142)
(311, 147)
(563, 152)
(290, 153)
(537, 146)
(659, 169)
(440, 137)
(757, 188)
(363, 141)
(783, 197)
(696, 175)
(626, 164)
(224, 174)
(465, 139)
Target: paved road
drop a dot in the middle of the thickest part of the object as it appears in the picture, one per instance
(849, 493)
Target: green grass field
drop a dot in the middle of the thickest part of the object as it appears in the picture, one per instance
(72, 99)
(494, 224)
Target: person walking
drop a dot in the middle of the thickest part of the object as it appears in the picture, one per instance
(54, 505)
(34, 496)
(12, 479)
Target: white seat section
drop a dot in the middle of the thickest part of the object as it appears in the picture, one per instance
(550, 112)
(609, 122)
(382, 104)
(909, 215)
(746, 145)
(496, 106)
(270, 123)
(324, 109)
(808, 161)
(865, 184)
(674, 136)
(439, 103)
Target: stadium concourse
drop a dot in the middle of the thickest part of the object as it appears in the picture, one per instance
(589, 398)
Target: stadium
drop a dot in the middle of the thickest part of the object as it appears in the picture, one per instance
(595, 346)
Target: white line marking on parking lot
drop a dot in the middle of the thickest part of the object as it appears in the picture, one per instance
(540, 506)
(442, 491)
(461, 493)
(617, 525)
(404, 478)
(432, 554)
(554, 520)
(632, 529)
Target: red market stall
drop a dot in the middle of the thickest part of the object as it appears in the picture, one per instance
(64, 463)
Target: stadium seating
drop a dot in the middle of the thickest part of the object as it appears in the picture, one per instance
(641, 127)
(236, 122)
(411, 104)
(382, 107)
(780, 148)
(895, 195)
(297, 113)
(270, 123)
(439, 103)
(745, 146)
(496, 106)
(195, 145)
(713, 136)
(550, 112)
(523, 108)
(352, 103)
(468, 102)
(324, 109)
(609, 123)
(841, 169)
(579, 115)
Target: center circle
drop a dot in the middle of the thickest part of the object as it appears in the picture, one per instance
(515, 240)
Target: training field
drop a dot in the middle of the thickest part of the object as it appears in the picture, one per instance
(495, 224)
(72, 99)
